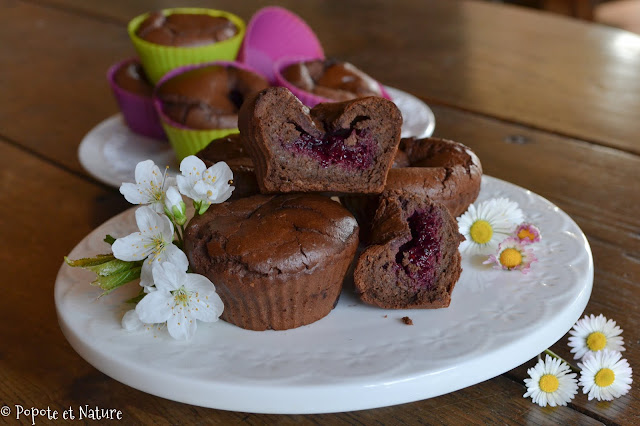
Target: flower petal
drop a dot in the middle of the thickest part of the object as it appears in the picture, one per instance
(146, 275)
(155, 307)
(131, 321)
(133, 194)
(181, 326)
(131, 247)
(167, 276)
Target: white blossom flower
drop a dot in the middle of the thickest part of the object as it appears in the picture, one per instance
(512, 255)
(174, 206)
(153, 243)
(180, 300)
(551, 383)
(149, 186)
(605, 375)
(488, 224)
(593, 334)
(205, 186)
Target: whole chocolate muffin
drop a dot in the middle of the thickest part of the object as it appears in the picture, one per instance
(413, 261)
(331, 79)
(185, 29)
(208, 97)
(278, 261)
(132, 78)
(439, 169)
(341, 147)
(230, 150)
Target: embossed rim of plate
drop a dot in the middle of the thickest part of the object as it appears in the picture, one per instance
(91, 151)
(358, 357)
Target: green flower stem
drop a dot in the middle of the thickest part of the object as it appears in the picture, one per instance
(556, 356)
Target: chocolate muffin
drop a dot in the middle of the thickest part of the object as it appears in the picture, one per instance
(438, 169)
(185, 29)
(331, 79)
(131, 77)
(413, 261)
(278, 261)
(230, 150)
(341, 147)
(208, 97)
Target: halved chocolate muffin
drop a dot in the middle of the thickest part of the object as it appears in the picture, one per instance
(342, 147)
(439, 169)
(413, 261)
(278, 261)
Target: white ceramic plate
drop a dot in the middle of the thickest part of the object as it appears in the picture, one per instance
(110, 151)
(357, 357)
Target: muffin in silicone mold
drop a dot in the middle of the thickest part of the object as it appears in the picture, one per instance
(159, 59)
(132, 92)
(199, 103)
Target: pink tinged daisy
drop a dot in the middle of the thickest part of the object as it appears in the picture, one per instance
(593, 334)
(149, 186)
(181, 300)
(527, 233)
(605, 375)
(551, 383)
(153, 243)
(488, 223)
(512, 255)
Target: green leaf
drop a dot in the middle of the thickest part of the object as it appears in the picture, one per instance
(111, 282)
(112, 267)
(88, 262)
(109, 239)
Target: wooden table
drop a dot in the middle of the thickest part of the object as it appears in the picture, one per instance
(548, 103)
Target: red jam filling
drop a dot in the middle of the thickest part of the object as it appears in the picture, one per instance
(349, 148)
(419, 256)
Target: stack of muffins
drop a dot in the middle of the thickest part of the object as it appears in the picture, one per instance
(196, 67)
(281, 248)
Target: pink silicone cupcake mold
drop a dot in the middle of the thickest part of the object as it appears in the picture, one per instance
(274, 33)
(138, 110)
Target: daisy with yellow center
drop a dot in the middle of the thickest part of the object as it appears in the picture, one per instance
(605, 375)
(512, 255)
(527, 233)
(593, 334)
(551, 383)
(484, 226)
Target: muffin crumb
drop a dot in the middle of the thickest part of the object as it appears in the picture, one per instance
(407, 320)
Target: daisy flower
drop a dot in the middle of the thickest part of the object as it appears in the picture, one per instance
(149, 186)
(527, 233)
(512, 255)
(605, 375)
(593, 334)
(551, 383)
(488, 224)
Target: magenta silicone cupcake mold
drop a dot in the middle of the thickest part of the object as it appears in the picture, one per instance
(274, 33)
(307, 98)
(138, 111)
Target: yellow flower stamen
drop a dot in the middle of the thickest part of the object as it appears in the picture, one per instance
(510, 258)
(549, 383)
(596, 341)
(481, 232)
(604, 377)
(526, 234)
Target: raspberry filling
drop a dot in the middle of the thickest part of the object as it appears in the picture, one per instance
(350, 148)
(419, 256)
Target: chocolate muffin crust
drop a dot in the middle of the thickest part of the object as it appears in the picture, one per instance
(185, 29)
(277, 261)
